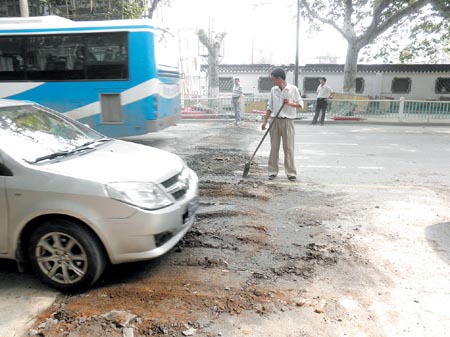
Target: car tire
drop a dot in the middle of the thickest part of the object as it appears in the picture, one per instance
(65, 255)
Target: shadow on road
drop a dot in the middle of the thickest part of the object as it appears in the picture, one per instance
(8, 266)
(129, 272)
(438, 236)
(10, 277)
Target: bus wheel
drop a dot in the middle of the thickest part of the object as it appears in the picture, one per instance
(65, 255)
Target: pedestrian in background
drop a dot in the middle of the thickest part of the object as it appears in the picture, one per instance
(283, 128)
(236, 100)
(324, 92)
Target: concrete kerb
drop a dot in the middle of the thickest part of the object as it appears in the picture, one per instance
(391, 121)
(381, 122)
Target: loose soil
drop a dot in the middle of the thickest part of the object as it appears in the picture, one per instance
(264, 258)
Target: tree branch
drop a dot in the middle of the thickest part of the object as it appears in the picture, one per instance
(316, 16)
(375, 30)
(204, 39)
(152, 8)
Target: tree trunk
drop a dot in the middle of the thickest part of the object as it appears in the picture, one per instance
(350, 68)
(213, 45)
(24, 11)
(213, 67)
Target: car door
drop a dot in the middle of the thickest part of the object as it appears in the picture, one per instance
(3, 210)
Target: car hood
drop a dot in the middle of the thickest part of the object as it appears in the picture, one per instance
(119, 161)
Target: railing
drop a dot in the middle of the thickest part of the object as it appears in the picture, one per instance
(390, 109)
(253, 108)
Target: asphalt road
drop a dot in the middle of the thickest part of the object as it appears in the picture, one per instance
(365, 154)
(398, 175)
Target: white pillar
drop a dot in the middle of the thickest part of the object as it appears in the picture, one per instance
(242, 105)
(401, 108)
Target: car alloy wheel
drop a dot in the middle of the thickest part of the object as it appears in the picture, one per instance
(61, 258)
(66, 255)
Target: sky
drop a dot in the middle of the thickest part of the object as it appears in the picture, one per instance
(257, 31)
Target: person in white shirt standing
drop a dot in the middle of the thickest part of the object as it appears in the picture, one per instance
(236, 100)
(283, 126)
(324, 92)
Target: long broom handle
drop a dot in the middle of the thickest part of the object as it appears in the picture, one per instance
(268, 129)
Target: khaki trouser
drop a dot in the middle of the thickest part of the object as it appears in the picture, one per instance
(282, 129)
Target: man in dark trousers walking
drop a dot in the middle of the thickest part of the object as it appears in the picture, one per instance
(324, 92)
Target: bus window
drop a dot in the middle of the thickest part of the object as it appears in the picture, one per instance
(52, 57)
(106, 57)
(11, 60)
(75, 57)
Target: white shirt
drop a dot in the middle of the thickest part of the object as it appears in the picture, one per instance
(276, 100)
(237, 91)
(323, 91)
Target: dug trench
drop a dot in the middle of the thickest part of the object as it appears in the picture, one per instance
(257, 248)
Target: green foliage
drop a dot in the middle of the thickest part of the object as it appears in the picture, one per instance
(443, 7)
(425, 37)
(123, 9)
(430, 40)
(101, 10)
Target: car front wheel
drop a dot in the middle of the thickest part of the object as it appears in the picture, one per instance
(65, 255)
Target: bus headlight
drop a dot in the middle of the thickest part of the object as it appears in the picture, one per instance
(145, 195)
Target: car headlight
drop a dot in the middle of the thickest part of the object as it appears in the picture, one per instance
(185, 174)
(145, 195)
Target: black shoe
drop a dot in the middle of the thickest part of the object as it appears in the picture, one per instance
(292, 178)
(312, 123)
(272, 177)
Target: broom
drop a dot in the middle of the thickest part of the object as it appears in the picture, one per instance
(247, 165)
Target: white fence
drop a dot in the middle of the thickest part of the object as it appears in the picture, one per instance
(338, 109)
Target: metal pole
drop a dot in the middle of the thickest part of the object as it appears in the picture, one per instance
(297, 44)
(23, 5)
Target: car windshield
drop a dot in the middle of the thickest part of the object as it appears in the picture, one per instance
(34, 133)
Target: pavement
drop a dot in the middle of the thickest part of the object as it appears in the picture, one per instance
(22, 298)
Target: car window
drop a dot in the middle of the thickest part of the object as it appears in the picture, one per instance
(31, 131)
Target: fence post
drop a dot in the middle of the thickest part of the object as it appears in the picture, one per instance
(242, 105)
(401, 108)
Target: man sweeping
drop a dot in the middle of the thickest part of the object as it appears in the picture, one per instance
(283, 128)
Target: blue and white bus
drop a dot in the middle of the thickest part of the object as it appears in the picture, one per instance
(119, 77)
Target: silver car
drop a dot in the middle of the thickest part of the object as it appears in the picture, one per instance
(72, 200)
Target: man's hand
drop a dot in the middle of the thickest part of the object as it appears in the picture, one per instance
(263, 125)
(266, 118)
